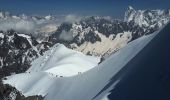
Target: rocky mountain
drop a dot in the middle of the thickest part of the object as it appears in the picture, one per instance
(102, 35)
(147, 18)
(90, 34)
(17, 51)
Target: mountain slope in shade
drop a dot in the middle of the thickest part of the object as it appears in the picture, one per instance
(146, 76)
(85, 86)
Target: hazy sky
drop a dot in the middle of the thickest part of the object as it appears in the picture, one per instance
(115, 8)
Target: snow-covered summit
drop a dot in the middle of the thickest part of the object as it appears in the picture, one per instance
(129, 14)
(61, 61)
(147, 18)
(4, 14)
(48, 17)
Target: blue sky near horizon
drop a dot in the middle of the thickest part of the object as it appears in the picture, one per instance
(114, 8)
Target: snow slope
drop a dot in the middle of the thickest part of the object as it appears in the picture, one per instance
(62, 61)
(83, 86)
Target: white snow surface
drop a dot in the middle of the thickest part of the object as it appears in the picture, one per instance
(62, 61)
(83, 86)
(24, 35)
(27, 37)
(1, 35)
(105, 97)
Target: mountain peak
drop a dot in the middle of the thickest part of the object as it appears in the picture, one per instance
(4, 14)
(130, 8)
(129, 14)
(147, 18)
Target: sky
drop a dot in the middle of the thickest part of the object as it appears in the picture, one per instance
(114, 8)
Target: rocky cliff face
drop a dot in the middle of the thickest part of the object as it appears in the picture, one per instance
(17, 51)
(10, 93)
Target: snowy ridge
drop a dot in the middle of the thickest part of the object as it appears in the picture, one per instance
(61, 61)
(83, 86)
